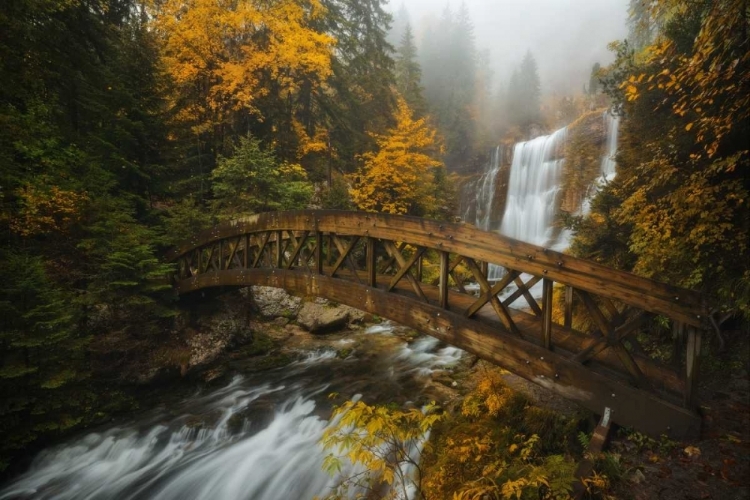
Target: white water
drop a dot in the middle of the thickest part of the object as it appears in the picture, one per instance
(530, 206)
(608, 165)
(533, 191)
(261, 441)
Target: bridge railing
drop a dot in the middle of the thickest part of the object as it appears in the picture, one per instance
(390, 252)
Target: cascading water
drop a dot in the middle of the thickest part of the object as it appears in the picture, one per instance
(612, 126)
(256, 438)
(531, 202)
(485, 191)
(530, 206)
(607, 169)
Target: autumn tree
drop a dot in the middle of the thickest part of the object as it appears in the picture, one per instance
(399, 177)
(681, 200)
(225, 57)
(384, 441)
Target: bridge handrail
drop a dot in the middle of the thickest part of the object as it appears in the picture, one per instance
(679, 304)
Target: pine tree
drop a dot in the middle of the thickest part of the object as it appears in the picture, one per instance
(524, 93)
(409, 74)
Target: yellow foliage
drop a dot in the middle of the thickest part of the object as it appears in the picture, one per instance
(223, 54)
(399, 177)
(47, 210)
(712, 82)
(381, 439)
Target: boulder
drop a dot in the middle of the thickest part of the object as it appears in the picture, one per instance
(272, 302)
(320, 318)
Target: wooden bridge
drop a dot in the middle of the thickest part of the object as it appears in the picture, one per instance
(415, 272)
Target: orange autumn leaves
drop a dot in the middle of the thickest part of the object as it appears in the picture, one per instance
(223, 55)
(399, 177)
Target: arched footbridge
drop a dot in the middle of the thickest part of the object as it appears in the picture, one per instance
(577, 337)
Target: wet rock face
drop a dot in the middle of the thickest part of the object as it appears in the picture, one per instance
(274, 302)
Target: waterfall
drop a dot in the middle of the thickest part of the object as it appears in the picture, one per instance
(608, 164)
(485, 191)
(531, 202)
(612, 126)
(530, 207)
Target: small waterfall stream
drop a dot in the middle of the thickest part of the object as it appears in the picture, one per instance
(257, 438)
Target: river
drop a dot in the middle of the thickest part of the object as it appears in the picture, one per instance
(256, 437)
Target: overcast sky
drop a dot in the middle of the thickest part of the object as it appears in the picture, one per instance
(566, 36)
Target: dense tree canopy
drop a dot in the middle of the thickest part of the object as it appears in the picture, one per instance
(679, 208)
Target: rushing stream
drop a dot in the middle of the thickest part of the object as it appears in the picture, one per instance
(255, 438)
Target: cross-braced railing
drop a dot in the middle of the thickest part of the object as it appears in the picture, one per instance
(579, 341)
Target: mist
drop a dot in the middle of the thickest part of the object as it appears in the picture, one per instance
(566, 37)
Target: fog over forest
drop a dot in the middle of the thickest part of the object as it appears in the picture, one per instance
(566, 37)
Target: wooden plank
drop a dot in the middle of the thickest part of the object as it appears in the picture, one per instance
(456, 279)
(396, 254)
(246, 253)
(261, 247)
(299, 244)
(443, 284)
(372, 270)
(629, 363)
(692, 363)
(630, 406)
(392, 260)
(601, 322)
(319, 253)
(343, 252)
(524, 290)
(599, 342)
(279, 258)
(547, 313)
(526, 287)
(502, 312)
(596, 446)
(232, 251)
(406, 267)
(568, 319)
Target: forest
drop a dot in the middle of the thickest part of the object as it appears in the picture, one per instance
(128, 125)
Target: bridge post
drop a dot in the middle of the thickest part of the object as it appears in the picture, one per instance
(245, 254)
(568, 322)
(279, 254)
(547, 313)
(372, 272)
(444, 275)
(692, 361)
(319, 253)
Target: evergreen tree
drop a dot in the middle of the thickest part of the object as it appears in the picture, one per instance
(358, 98)
(409, 74)
(449, 69)
(524, 94)
(594, 85)
(401, 21)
